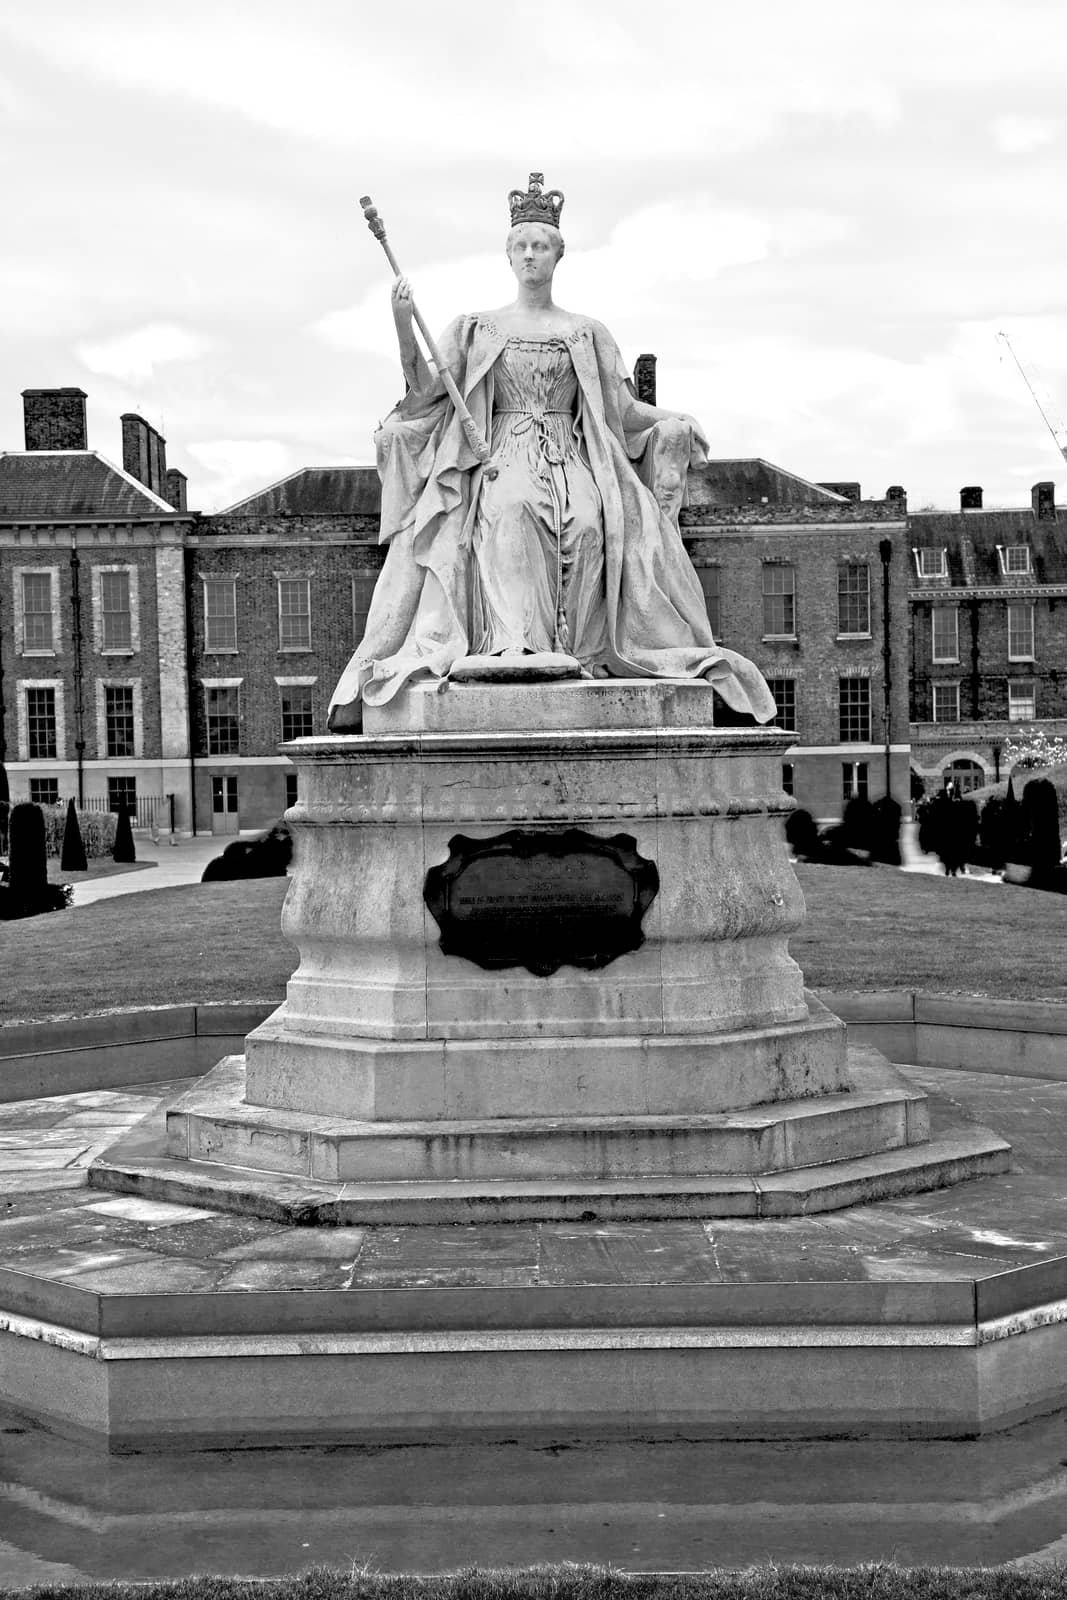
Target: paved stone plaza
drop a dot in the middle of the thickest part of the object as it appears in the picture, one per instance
(68, 1510)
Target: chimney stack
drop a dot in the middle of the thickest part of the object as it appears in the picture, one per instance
(971, 497)
(54, 419)
(175, 491)
(645, 379)
(1043, 500)
(896, 496)
(144, 453)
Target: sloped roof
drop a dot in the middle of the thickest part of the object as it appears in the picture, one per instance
(749, 480)
(56, 484)
(316, 491)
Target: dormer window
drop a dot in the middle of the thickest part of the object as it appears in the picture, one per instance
(931, 562)
(1015, 560)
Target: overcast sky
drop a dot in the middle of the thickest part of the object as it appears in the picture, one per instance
(817, 215)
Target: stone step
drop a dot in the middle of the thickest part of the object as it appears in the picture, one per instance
(960, 1153)
(212, 1123)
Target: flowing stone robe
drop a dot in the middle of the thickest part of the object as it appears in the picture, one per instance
(592, 458)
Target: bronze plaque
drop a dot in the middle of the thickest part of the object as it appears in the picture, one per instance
(540, 899)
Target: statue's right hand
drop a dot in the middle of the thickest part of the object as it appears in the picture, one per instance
(402, 303)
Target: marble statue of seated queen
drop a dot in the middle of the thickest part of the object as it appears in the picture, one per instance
(566, 545)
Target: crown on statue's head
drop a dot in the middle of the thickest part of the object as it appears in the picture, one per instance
(534, 205)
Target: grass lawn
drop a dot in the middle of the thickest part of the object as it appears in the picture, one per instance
(867, 928)
(598, 1583)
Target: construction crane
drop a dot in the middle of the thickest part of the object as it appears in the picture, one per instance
(1059, 434)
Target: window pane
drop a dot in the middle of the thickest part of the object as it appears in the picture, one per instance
(854, 598)
(223, 726)
(854, 780)
(946, 702)
(362, 591)
(787, 777)
(296, 712)
(44, 791)
(784, 691)
(122, 792)
(291, 789)
(710, 582)
(1017, 558)
(946, 633)
(41, 724)
(116, 628)
(220, 614)
(779, 609)
(37, 610)
(854, 710)
(1020, 633)
(294, 614)
(118, 718)
(1022, 702)
(932, 563)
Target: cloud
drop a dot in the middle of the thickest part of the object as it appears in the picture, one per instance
(237, 467)
(1018, 134)
(134, 357)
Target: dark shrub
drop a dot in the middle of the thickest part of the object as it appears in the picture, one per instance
(124, 850)
(802, 836)
(885, 831)
(948, 829)
(1041, 826)
(28, 892)
(73, 857)
(266, 856)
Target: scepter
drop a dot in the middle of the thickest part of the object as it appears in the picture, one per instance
(470, 428)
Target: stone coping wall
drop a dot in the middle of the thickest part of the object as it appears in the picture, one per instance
(1026, 1038)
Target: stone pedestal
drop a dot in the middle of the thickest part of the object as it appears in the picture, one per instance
(689, 1075)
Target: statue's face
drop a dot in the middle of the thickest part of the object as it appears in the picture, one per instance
(533, 254)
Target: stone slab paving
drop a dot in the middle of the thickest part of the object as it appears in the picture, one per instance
(54, 1227)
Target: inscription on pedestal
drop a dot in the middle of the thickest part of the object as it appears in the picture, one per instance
(540, 899)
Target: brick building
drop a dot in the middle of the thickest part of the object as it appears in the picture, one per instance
(988, 603)
(92, 615)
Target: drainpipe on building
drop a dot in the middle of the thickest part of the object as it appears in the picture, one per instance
(885, 550)
(189, 684)
(79, 705)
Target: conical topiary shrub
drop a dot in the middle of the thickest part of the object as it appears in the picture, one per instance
(28, 874)
(1041, 820)
(124, 850)
(73, 857)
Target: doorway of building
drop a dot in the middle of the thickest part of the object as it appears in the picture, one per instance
(224, 815)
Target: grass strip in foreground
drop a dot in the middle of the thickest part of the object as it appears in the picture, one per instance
(876, 1582)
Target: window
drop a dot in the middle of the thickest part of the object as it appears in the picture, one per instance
(116, 624)
(788, 777)
(711, 583)
(220, 614)
(296, 711)
(41, 724)
(122, 793)
(291, 789)
(854, 710)
(779, 601)
(854, 781)
(223, 723)
(294, 614)
(1020, 633)
(119, 721)
(784, 691)
(44, 791)
(37, 612)
(946, 702)
(362, 590)
(931, 563)
(854, 598)
(1015, 560)
(946, 633)
(1022, 700)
